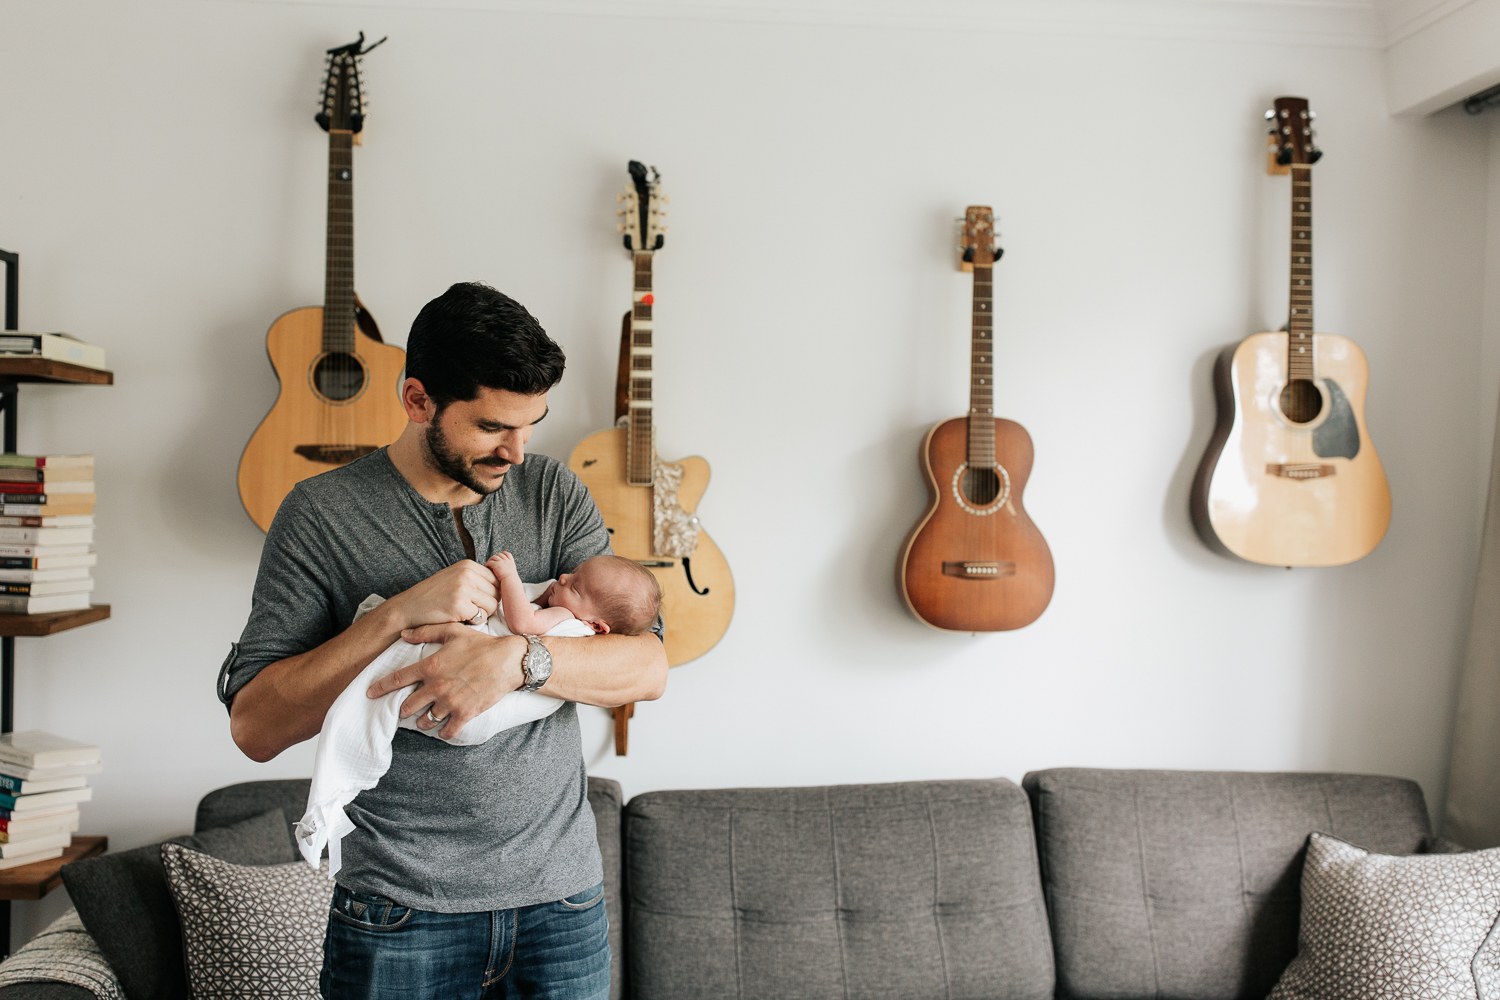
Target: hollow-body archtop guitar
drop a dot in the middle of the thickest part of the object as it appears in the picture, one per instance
(648, 505)
(1291, 477)
(339, 383)
(974, 561)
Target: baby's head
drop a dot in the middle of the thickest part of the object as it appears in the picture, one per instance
(611, 594)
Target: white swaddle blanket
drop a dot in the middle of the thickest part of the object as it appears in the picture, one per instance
(354, 745)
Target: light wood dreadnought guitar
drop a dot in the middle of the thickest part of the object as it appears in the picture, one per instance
(648, 504)
(339, 383)
(975, 562)
(1291, 477)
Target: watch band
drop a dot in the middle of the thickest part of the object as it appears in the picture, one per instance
(536, 665)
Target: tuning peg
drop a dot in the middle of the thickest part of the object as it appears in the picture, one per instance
(620, 228)
(1270, 114)
(620, 197)
(661, 229)
(1314, 156)
(667, 198)
(1312, 114)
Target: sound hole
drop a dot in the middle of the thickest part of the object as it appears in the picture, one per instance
(981, 486)
(339, 376)
(1301, 401)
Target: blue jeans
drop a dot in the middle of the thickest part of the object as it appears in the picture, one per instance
(376, 949)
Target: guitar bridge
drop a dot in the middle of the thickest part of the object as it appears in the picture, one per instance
(1304, 470)
(979, 570)
(334, 454)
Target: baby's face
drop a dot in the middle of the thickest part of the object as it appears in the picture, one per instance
(577, 591)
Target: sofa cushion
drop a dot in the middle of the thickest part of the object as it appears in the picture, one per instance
(232, 803)
(1185, 883)
(917, 890)
(249, 932)
(1386, 928)
(124, 903)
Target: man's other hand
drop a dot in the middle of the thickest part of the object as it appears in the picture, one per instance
(470, 674)
(464, 592)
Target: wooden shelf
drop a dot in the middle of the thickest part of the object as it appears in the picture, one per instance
(35, 880)
(51, 624)
(18, 368)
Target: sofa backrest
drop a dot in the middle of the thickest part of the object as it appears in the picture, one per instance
(1186, 883)
(232, 803)
(916, 890)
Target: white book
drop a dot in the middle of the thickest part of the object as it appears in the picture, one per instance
(38, 748)
(27, 859)
(48, 813)
(46, 536)
(41, 842)
(44, 575)
(26, 805)
(42, 773)
(30, 550)
(23, 604)
(57, 489)
(20, 830)
(80, 585)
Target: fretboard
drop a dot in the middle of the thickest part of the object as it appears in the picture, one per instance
(638, 447)
(338, 275)
(1299, 343)
(982, 372)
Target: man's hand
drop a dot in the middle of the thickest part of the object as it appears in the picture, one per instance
(471, 673)
(464, 592)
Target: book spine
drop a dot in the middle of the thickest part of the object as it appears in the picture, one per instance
(17, 562)
(54, 509)
(15, 604)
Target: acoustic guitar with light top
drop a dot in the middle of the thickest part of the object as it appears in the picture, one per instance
(1291, 477)
(340, 384)
(648, 505)
(975, 562)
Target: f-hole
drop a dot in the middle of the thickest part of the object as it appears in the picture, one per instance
(1301, 401)
(338, 376)
(687, 570)
(981, 486)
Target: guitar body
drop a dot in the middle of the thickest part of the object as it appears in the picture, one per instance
(695, 621)
(1285, 494)
(336, 432)
(1008, 582)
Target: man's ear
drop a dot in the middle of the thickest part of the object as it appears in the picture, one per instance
(419, 406)
(599, 627)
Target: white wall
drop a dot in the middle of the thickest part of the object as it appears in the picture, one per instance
(163, 181)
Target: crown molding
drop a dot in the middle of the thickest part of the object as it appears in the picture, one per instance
(1404, 18)
(1338, 23)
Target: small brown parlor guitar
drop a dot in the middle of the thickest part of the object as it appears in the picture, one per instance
(648, 504)
(975, 562)
(1291, 477)
(339, 382)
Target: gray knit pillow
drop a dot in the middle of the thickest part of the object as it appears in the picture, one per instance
(1376, 926)
(249, 931)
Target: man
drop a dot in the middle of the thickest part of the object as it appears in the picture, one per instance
(472, 871)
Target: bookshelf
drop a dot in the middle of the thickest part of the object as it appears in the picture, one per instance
(36, 880)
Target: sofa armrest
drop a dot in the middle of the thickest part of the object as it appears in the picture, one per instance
(46, 990)
(60, 963)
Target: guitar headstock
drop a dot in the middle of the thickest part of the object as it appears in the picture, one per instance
(1291, 132)
(977, 238)
(641, 212)
(342, 106)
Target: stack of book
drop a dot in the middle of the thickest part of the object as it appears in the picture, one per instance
(46, 533)
(57, 346)
(42, 780)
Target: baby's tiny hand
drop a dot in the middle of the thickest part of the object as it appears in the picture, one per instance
(502, 562)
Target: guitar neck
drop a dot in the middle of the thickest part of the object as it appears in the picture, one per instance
(638, 446)
(1299, 343)
(338, 276)
(982, 371)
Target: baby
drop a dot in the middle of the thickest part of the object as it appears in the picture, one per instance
(604, 594)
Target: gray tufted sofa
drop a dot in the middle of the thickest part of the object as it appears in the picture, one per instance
(1087, 884)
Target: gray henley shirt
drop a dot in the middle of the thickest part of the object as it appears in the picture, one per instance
(451, 829)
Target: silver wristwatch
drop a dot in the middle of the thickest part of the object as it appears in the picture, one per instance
(536, 665)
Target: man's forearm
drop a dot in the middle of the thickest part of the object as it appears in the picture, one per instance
(607, 670)
(285, 703)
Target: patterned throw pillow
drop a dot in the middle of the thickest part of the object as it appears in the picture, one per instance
(249, 931)
(1376, 926)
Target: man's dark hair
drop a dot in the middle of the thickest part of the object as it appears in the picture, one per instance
(472, 336)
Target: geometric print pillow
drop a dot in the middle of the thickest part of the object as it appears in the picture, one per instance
(249, 931)
(1376, 926)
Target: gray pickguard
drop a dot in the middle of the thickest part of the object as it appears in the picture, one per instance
(1338, 435)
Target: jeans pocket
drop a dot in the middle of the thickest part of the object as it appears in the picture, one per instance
(585, 899)
(369, 911)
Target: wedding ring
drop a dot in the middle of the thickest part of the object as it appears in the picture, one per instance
(434, 719)
(479, 617)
